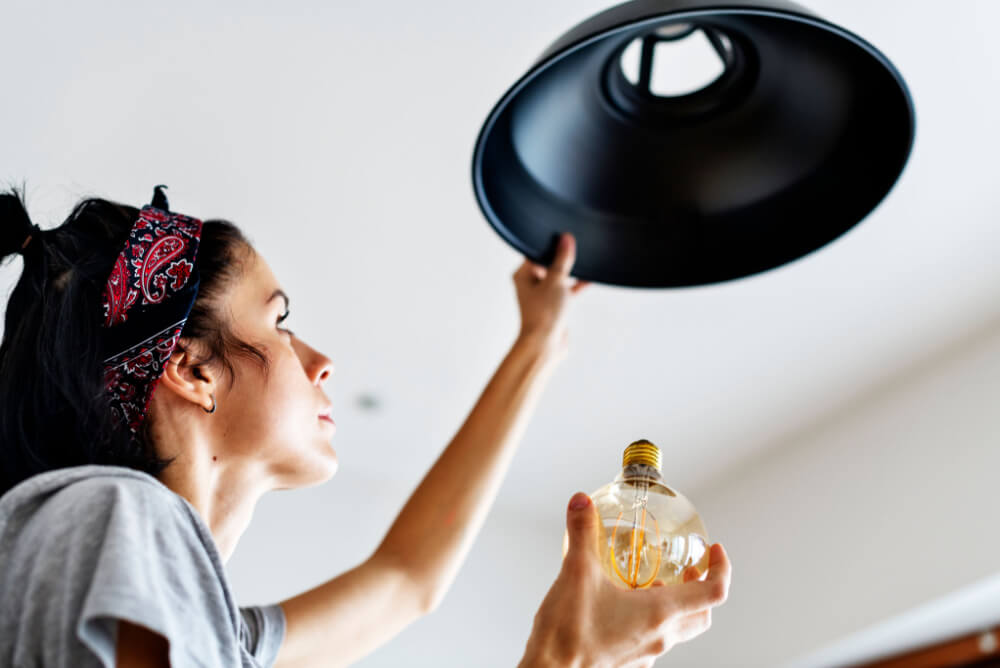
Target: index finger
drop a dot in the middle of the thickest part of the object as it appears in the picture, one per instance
(712, 591)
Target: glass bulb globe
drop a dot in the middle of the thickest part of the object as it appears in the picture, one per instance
(648, 531)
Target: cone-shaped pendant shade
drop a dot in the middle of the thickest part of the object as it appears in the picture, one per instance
(801, 132)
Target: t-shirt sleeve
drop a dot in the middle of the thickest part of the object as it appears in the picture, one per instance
(262, 631)
(145, 563)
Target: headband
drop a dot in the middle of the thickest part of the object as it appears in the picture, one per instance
(147, 299)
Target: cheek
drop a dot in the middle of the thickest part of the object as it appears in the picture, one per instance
(285, 401)
(271, 408)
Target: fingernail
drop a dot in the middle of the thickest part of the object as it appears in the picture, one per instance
(579, 501)
(564, 240)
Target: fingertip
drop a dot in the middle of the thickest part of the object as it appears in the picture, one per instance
(579, 501)
(567, 243)
(719, 566)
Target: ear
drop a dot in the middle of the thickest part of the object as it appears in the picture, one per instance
(187, 377)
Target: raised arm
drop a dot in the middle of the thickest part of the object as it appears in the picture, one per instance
(346, 618)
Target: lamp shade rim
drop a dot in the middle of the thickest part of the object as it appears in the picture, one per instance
(574, 41)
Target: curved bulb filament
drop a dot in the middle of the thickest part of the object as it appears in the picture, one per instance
(636, 544)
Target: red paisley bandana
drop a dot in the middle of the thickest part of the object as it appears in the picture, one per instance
(147, 300)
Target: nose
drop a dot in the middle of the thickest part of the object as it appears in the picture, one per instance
(321, 368)
(318, 366)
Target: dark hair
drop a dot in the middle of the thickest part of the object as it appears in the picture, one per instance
(53, 409)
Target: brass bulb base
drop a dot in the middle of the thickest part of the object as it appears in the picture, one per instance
(642, 452)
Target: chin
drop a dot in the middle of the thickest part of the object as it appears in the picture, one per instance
(308, 469)
(321, 469)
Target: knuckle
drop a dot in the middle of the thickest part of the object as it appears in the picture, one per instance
(701, 624)
(659, 617)
(659, 646)
(718, 592)
(576, 568)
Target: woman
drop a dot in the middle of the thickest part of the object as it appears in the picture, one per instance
(120, 505)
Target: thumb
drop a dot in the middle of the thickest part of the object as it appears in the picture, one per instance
(582, 525)
(564, 258)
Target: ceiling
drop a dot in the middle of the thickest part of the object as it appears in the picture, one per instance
(340, 135)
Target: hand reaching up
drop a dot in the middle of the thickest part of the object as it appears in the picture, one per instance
(543, 295)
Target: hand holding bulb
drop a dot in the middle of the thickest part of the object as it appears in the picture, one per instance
(587, 620)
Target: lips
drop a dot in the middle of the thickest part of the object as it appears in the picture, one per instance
(324, 415)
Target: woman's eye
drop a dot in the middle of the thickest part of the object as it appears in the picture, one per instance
(281, 319)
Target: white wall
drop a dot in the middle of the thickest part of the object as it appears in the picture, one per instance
(484, 620)
(889, 503)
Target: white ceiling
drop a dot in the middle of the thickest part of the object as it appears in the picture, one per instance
(339, 135)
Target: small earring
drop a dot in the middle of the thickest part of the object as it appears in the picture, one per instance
(213, 405)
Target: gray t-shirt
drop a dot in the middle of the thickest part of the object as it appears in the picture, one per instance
(82, 547)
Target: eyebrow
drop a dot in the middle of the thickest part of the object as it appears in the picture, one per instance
(279, 293)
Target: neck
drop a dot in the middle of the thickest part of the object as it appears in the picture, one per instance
(223, 493)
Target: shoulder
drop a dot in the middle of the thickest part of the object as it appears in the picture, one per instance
(94, 479)
(76, 490)
(90, 482)
(113, 488)
(85, 547)
(82, 506)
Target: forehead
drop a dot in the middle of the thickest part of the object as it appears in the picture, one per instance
(257, 283)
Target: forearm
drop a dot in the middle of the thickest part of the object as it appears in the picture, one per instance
(438, 524)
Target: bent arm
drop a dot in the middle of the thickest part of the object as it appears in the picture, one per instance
(346, 618)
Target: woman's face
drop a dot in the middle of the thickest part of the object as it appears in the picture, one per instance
(274, 420)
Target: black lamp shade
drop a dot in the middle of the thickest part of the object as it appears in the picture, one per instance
(803, 134)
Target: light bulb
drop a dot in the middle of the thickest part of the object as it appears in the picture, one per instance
(648, 531)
